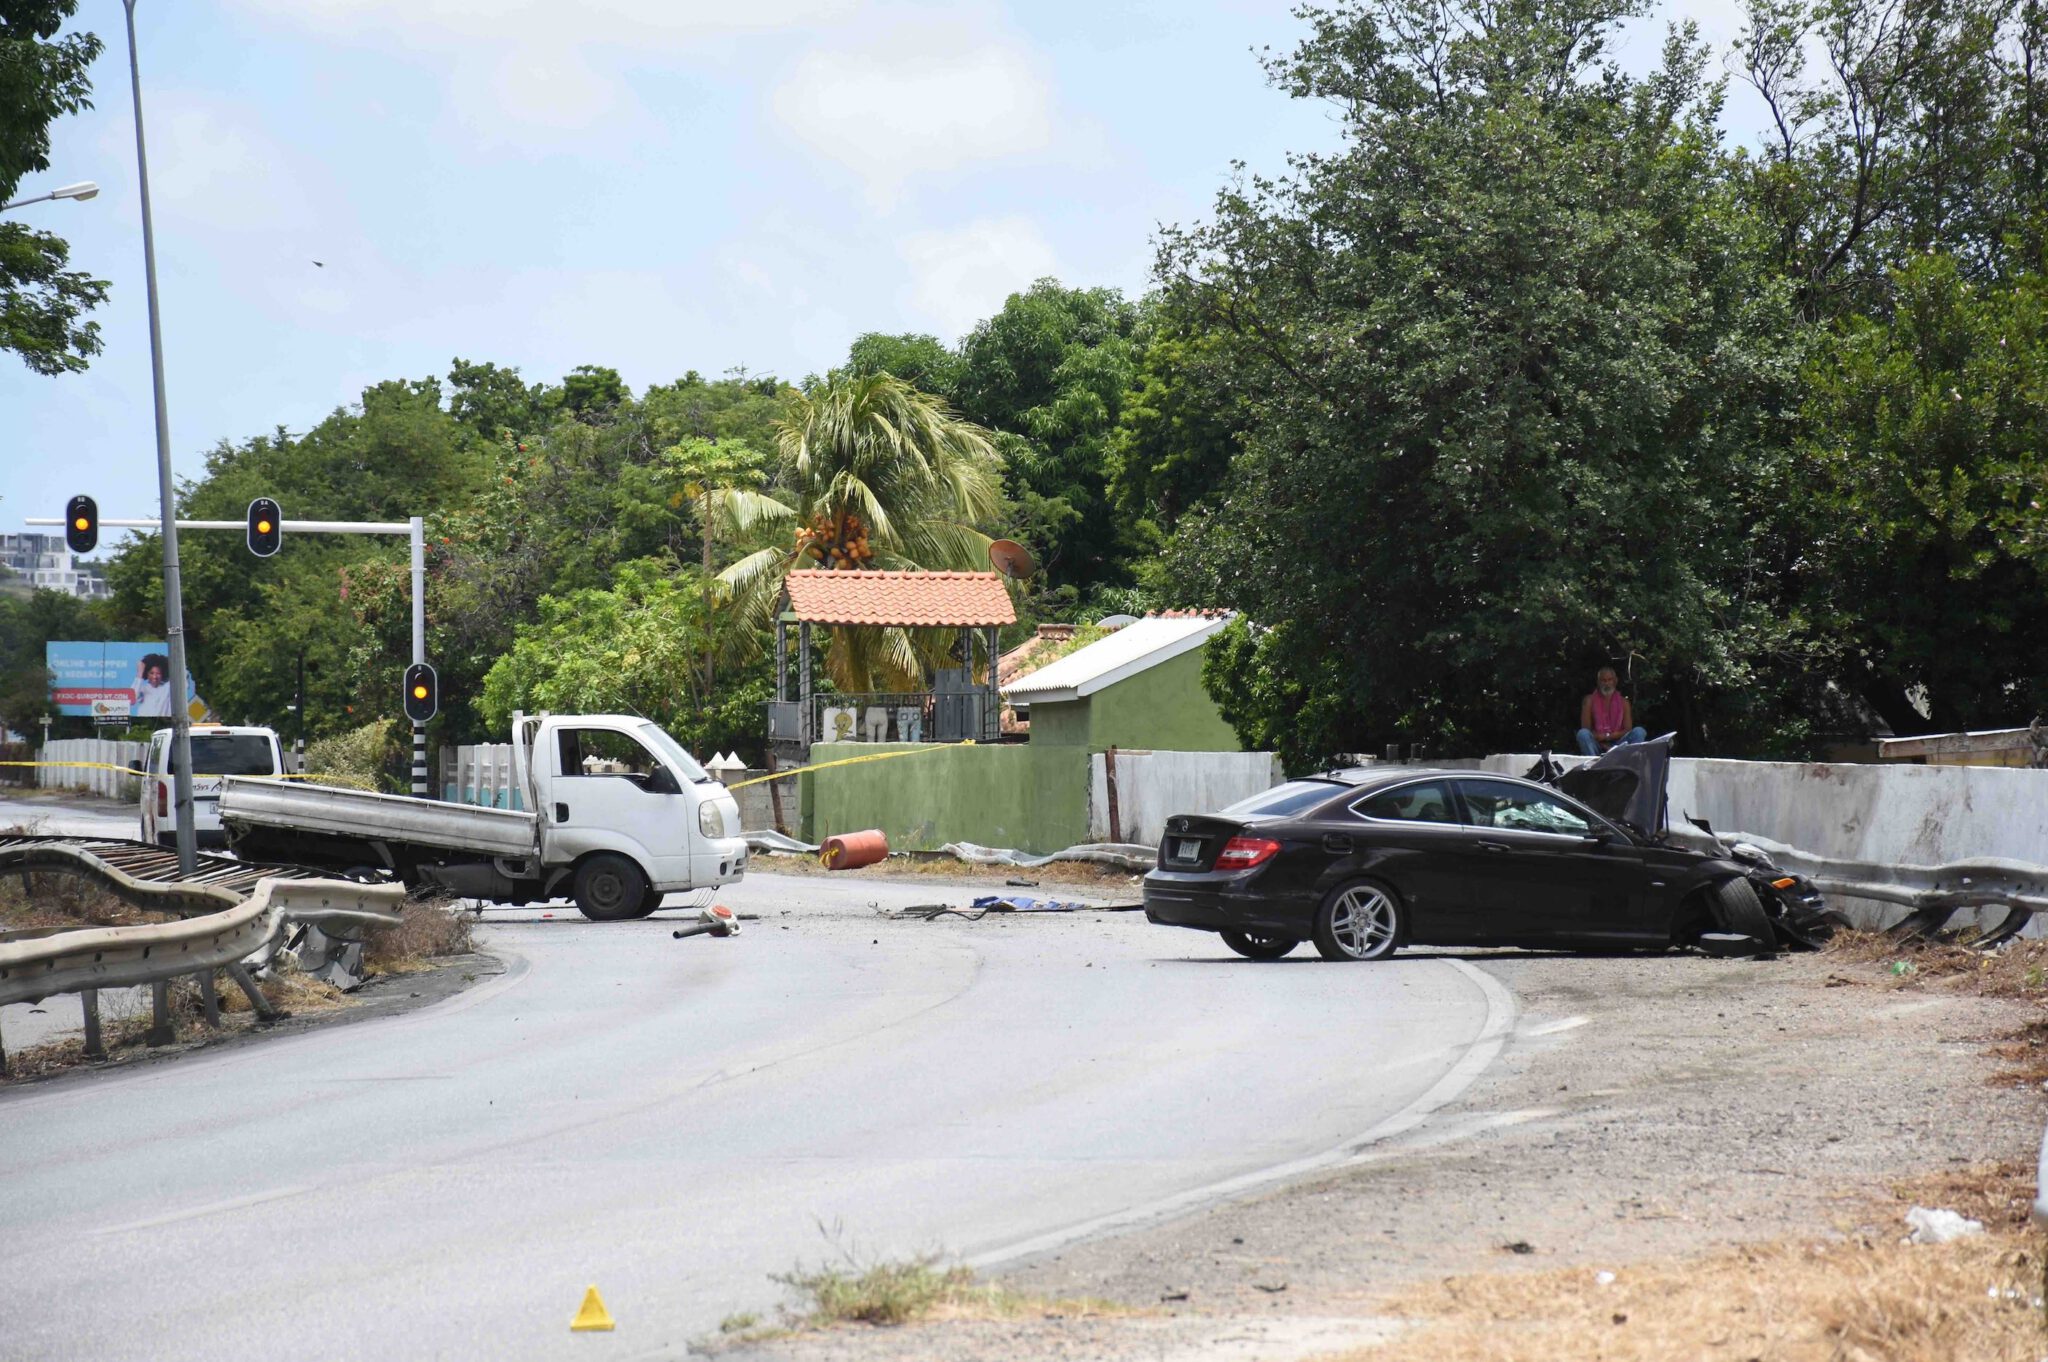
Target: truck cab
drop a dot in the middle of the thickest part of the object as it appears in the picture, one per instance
(621, 802)
(217, 750)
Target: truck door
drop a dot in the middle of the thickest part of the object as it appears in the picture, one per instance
(608, 792)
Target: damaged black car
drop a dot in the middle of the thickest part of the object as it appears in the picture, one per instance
(1364, 862)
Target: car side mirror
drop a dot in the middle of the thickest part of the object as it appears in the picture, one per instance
(663, 781)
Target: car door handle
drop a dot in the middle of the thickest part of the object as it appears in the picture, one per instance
(1336, 841)
(1493, 846)
(561, 813)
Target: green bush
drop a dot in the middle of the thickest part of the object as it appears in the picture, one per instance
(366, 758)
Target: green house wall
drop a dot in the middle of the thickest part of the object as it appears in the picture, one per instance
(1012, 795)
(1163, 708)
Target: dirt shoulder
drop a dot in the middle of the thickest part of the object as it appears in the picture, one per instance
(1648, 1109)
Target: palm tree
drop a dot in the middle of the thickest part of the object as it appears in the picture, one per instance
(873, 474)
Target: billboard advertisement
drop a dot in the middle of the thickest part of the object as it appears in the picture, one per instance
(115, 682)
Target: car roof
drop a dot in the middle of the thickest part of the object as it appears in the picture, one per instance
(1364, 778)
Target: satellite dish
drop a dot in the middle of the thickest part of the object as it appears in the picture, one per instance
(1115, 621)
(1011, 559)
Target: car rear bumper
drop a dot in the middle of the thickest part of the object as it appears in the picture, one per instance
(1219, 903)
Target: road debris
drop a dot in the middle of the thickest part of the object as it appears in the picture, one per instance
(1001, 903)
(717, 920)
(1939, 1227)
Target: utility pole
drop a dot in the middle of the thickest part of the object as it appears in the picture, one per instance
(174, 605)
(299, 707)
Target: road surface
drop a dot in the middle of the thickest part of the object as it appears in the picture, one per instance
(676, 1120)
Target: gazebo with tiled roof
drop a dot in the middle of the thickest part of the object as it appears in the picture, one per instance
(954, 710)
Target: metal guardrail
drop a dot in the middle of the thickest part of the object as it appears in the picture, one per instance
(232, 911)
(1933, 893)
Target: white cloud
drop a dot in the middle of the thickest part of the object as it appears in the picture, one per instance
(899, 109)
(960, 275)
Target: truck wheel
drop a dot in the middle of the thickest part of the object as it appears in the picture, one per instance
(610, 888)
(651, 902)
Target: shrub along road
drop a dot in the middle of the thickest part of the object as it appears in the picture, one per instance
(675, 1120)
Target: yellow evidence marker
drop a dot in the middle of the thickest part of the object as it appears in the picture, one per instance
(593, 1316)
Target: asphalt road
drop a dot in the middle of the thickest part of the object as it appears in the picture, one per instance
(675, 1120)
(69, 815)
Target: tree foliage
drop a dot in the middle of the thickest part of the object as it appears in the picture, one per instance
(42, 78)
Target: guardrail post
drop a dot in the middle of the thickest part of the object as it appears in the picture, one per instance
(240, 974)
(209, 999)
(95, 1046)
(160, 1032)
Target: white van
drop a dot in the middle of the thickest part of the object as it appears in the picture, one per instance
(217, 750)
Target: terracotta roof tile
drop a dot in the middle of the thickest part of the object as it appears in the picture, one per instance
(908, 599)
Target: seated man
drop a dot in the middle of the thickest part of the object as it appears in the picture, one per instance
(1606, 719)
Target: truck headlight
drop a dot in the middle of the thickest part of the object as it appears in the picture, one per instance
(710, 819)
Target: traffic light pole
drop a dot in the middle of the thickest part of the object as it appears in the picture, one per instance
(414, 529)
(419, 649)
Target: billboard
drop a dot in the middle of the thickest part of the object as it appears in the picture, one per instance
(115, 682)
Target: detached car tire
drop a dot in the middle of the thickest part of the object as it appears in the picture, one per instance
(1738, 911)
(610, 888)
(1252, 946)
(1362, 920)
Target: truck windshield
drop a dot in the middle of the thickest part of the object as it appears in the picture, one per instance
(672, 751)
(229, 754)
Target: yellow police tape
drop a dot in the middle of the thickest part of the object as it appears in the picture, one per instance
(109, 766)
(846, 761)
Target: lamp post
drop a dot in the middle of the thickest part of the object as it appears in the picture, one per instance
(84, 189)
(174, 605)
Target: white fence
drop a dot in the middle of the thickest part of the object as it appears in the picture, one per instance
(480, 775)
(1151, 787)
(114, 784)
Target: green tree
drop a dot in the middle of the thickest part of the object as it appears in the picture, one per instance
(922, 361)
(1049, 372)
(42, 78)
(870, 474)
(27, 623)
(1929, 446)
(630, 649)
(1513, 366)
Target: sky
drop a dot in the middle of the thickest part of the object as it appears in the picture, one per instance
(347, 191)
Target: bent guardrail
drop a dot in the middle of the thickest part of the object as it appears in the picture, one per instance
(1933, 894)
(226, 927)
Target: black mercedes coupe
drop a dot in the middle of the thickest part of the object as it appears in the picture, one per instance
(1366, 861)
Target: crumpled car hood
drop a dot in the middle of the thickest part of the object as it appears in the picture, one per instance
(1627, 784)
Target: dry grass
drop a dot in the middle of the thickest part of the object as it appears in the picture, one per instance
(58, 898)
(1869, 1297)
(2018, 969)
(430, 928)
(891, 1293)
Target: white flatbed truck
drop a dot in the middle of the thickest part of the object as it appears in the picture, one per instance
(616, 815)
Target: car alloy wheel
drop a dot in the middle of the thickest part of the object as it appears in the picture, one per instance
(1358, 922)
(610, 888)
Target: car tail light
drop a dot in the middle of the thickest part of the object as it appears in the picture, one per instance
(1242, 853)
(163, 800)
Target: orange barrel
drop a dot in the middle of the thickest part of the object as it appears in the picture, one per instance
(854, 850)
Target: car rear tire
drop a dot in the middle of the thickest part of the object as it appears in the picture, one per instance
(610, 888)
(1252, 946)
(1359, 921)
(1737, 910)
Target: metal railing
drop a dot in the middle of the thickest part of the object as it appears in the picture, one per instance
(904, 716)
(1933, 893)
(230, 919)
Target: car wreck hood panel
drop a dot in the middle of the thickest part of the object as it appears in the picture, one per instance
(1627, 784)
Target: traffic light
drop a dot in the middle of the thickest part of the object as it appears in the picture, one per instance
(422, 692)
(82, 524)
(266, 527)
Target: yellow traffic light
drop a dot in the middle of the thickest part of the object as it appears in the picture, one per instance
(81, 523)
(263, 527)
(419, 692)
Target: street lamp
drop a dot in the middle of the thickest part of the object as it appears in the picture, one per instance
(84, 189)
(174, 604)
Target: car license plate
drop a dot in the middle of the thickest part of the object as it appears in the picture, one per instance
(1187, 849)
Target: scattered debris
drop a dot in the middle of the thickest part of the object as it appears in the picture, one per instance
(717, 920)
(1939, 1227)
(1519, 1246)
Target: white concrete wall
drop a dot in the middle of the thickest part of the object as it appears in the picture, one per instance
(1154, 786)
(93, 778)
(479, 775)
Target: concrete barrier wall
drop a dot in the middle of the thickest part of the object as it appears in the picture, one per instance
(109, 784)
(1153, 786)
